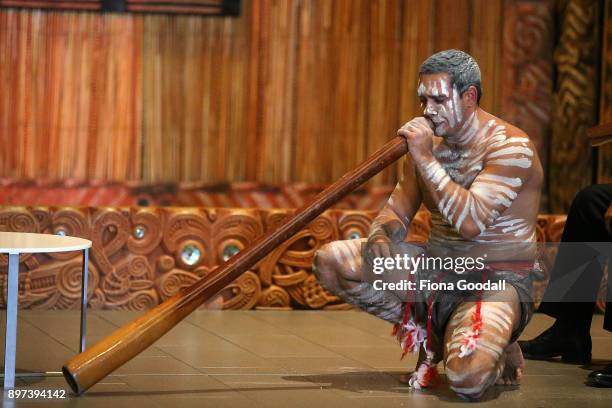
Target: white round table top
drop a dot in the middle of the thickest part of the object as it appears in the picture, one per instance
(25, 242)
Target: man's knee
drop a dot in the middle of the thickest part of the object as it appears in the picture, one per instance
(470, 378)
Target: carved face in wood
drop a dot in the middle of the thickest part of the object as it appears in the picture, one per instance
(442, 105)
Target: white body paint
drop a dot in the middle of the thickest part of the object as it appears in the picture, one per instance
(469, 193)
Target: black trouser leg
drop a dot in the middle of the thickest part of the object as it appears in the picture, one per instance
(585, 223)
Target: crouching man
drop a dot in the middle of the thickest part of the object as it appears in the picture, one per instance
(480, 178)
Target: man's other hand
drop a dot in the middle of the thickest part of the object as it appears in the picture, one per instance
(377, 247)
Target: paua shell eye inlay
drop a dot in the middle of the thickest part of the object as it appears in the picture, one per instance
(190, 254)
(139, 232)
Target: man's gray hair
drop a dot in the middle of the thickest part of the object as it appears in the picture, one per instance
(461, 67)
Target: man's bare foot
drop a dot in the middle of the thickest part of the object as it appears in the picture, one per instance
(405, 378)
(513, 366)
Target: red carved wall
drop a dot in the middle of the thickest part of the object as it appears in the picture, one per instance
(141, 256)
(229, 195)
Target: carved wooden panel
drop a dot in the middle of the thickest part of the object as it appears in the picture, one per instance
(575, 99)
(527, 77)
(604, 153)
(142, 256)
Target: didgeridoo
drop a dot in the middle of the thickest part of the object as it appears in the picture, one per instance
(110, 353)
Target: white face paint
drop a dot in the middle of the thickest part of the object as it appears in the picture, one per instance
(441, 103)
(421, 90)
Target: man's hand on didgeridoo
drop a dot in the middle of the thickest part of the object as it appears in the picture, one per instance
(419, 136)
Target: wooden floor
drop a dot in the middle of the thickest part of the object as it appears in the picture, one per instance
(275, 359)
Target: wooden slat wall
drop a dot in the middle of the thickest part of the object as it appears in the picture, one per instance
(193, 100)
(71, 98)
(292, 90)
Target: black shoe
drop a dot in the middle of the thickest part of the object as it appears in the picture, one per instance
(575, 349)
(601, 378)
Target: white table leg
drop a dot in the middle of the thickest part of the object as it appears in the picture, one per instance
(10, 345)
(84, 300)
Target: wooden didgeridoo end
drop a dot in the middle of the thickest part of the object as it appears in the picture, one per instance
(110, 353)
(86, 369)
